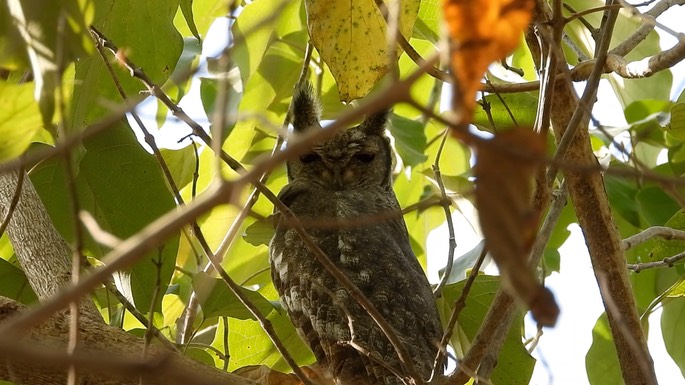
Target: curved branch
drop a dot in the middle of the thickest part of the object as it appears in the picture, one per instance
(664, 232)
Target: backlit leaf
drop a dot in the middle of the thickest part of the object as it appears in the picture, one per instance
(339, 28)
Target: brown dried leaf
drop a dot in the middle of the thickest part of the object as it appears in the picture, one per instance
(482, 31)
(505, 170)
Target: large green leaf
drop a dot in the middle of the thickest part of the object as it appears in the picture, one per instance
(514, 364)
(249, 344)
(217, 300)
(122, 187)
(427, 24)
(197, 16)
(30, 34)
(15, 285)
(20, 119)
(672, 320)
(655, 206)
(410, 140)
(622, 196)
(128, 24)
(255, 30)
(522, 106)
(601, 360)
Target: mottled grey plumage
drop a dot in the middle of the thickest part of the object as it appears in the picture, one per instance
(342, 193)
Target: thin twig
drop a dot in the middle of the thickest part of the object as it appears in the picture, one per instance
(111, 287)
(459, 305)
(452, 242)
(666, 262)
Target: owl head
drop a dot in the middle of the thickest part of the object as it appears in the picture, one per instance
(356, 158)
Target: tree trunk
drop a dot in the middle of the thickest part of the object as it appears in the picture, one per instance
(105, 355)
(586, 189)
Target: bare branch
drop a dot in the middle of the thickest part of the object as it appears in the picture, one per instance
(664, 232)
(666, 262)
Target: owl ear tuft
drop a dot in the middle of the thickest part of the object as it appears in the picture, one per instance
(306, 108)
(375, 124)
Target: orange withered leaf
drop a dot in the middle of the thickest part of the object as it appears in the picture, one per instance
(481, 31)
(505, 173)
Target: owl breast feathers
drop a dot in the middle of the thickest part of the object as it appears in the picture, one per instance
(342, 192)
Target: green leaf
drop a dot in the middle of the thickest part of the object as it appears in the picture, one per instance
(204, 13)
(200, 355)
(128, 24)
(523, 59)
(217, 300)
(259, 233)
(676, 159)
(427, 24)
(33, 23)
(181, 164)
(15, 285)
(672, 320)
(20, 119)
(622, 196)
(601, 360)
(187, 10)
(646, 118)
(249, 344)
(656, 206)
(523, 107)
(409, 190)
(209, 88)
(410, 140)
(254, 33)
(667, 248)
(458, 184)
(122, 187)
(677, 126)
(463, 263)
(514, 364)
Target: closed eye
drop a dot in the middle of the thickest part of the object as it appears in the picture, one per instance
(365, 157)
(310, 157)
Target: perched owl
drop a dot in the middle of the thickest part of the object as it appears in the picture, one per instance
(342, 192)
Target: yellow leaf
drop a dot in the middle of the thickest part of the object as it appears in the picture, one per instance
(351, 38)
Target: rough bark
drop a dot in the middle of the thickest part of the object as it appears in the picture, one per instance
(604, 244)
(105, 355)
(40, 249)
(586, 189)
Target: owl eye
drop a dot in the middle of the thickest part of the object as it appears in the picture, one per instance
(310, 157)
(365, 157)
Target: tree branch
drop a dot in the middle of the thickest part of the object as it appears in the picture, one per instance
(594, 216)
(664, 232)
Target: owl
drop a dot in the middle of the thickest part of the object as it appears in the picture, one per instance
(341, 191)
